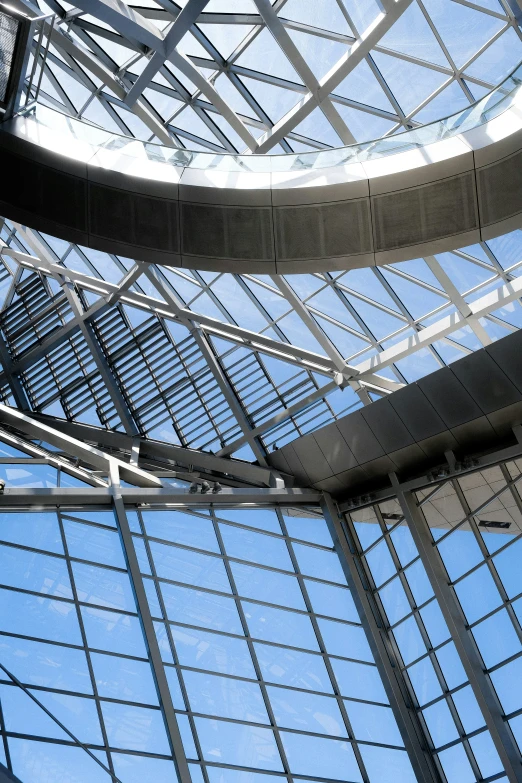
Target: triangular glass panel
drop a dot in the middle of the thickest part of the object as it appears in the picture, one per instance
(346, 343)
(321, 54)
(325, 15)
(225, 37)
(317, 127)
(275, 101)
(411, 84)
(361, 85)
(362, 13)
(96, 113)
(363, 125)
(451, 100)
(265, 55)
(451, 19)
(412, 35)
(499, 59)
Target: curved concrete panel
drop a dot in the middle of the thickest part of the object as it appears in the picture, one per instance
(468, 408)
(422, 201)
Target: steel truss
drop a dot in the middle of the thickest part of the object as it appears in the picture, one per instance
(61, 311)
(227, 116)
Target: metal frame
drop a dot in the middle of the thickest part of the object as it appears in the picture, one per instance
(135, 31)
(374, 626)
(466, 648)
(408, 499)
(119, 500)
(361, 578)
(48, 331)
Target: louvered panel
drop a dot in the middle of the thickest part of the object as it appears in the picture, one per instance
(33, 315)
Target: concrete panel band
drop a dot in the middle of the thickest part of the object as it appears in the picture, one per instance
(440, 197)
(469, 408)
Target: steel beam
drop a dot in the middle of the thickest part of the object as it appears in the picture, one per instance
(360, 49)
(458, 300)
(461, 636)
(100, 360)
(442, 328)
(76, 448)
(149, 634)
(220, 377)
(302, 68)
(252, 474)
(7, 777)
(403, 709)
(35, 497)
(181, 26)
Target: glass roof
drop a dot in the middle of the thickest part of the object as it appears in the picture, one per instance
(235, 364)
(295, 75)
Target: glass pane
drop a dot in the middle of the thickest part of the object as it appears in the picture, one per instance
(307, 712)
(60, 763)
(238, 744)
(294, 668)
(314, 530)
(269, 586)
(424, 680)
(456, 765)
(193, 568)
(332, 601)
(124, 679)
(381, 563)
(385, 765)
(198, 608)
(373, 724)
(32, 529)
(223, 697)
(180, 528)
(324, 758)
(496, 638)
(256, 547)
(478, 594)
(280, 626)
(348, 641)
(93, 543)
(460, 552)
(135, 728)
(507, 564)
(440, 724)
(204, 650)
(359, 680)
(47, 665)
(318, 563)
(508, 684)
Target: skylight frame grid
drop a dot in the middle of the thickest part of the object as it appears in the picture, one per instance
(293, 394)
(233, 72)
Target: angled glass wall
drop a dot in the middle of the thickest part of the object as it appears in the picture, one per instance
(474, 525)
(221, 642)
(232, 75)
(264, 645)
(269, 671)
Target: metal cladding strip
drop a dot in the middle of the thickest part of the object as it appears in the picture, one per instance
(422, 201)
(470, 407)
(149, 634)
(100, 497)
(7, 777)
